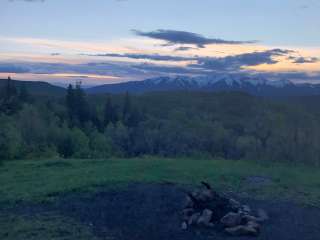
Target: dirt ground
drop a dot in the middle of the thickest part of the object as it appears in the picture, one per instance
(151, 212)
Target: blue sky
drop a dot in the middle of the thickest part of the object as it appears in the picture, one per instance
(76, 30)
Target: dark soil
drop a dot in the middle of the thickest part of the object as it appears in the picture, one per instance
(151, 212)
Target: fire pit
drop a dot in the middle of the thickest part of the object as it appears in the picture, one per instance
(207, 208)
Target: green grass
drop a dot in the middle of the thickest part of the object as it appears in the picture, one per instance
(41, 180)
(44, 180)
(48, 226)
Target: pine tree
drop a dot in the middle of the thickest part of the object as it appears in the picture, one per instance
(110, 113)
(24, 95)
(77, 106)
(126, 109)
(70, 103)
(10, 89)
(81, 104)
(9, 103)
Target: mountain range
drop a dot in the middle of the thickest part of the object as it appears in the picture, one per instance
(253, 85)
(37, 88)
(258, 86)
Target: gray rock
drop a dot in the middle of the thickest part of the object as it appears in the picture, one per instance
(189, 203)
(249, 218)
(246, 209)
(231, 219)
(255, 225)
(187, 213)
(205, 195)
(195, 193)
(242, 231)
(235, 205)
(194, 219)
(184, 226)
(205, 218)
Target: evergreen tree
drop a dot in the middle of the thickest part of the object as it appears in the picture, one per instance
(70, 103)
(10, 89)
(24, 95)
(77, 106)
(81, 105)
(134, 118)
(110, 113)
(126, 109)
(10, 139)
(9, 103)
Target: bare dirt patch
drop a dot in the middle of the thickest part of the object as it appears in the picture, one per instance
(152, 211)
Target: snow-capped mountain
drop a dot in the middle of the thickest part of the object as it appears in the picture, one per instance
(255, 85)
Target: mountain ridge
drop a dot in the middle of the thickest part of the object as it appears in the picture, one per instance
(257, 86)
(40, 88)
(254, 85)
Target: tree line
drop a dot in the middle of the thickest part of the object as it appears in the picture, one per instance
(170, 124)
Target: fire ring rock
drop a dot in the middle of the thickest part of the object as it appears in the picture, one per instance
(205, 218)
(207, 208)
(231, 219)
(242, 231)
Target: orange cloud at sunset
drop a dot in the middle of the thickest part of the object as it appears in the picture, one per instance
(75, 53)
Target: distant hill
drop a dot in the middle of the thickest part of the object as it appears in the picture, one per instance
(215, 83)
(221, 82)
(37, 88)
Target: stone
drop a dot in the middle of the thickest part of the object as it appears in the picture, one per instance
(262, 215)
(255, 225)
(195, 193)
(187, 213)
(241, 230)
(194, 218)
(231, 219)
(205, 195)
(189, 203)
(246, 209)
(235, 205)
(184, 226)
(205, 208)
(205, 218)
(249, 218)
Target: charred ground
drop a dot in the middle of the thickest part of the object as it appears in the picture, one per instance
(98, 199)
(152, 211)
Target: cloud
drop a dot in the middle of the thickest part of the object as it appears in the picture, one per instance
(197, 64)
(182, 48)
(205, 65)
(302, 60)
(93, 68)
(302, 77)
(134, 70)
(228, 63)
(163, 70)
(173, 37)
(155, 57)
(12, 68)
(106, 72)
(236, 62)
(304, 6)
(27, 0)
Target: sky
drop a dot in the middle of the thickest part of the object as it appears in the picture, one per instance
(108, 41)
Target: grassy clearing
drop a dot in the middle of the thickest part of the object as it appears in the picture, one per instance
(40, 180)
(43, 180)
(49, 226)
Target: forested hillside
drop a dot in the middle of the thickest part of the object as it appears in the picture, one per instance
(227, 125)
(36, 88)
